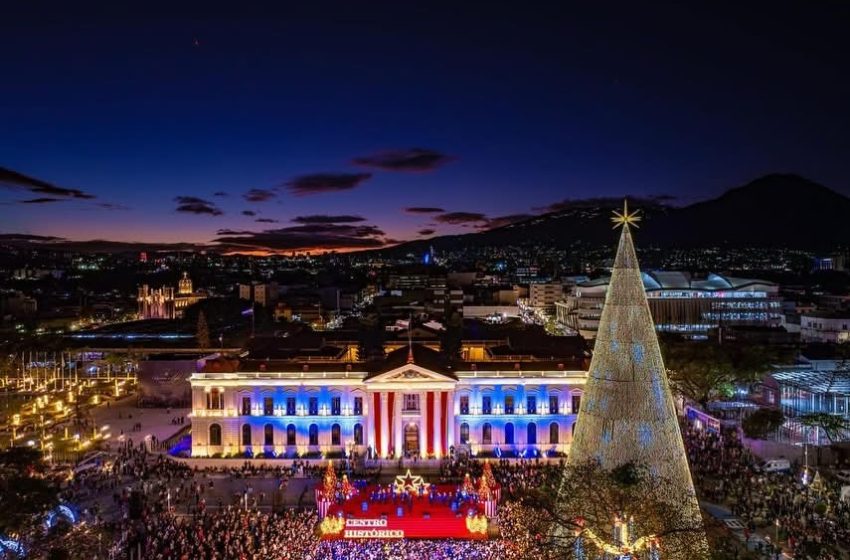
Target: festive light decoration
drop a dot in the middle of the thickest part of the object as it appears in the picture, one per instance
(332, 525)
(627, 413)
(346, 487)
(468, 487)
(330, 481)
(488, 474)
(410, 483)
(484, 491)
(476, 524)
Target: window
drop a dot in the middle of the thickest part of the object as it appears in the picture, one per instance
(358, 405)
(532, 434)
(246, 434)
(464, 404)
(268, 434)
(487, 405)
(509, 433)
(554, 433)
(215, 434)
(290, 434)
(576, 403)
(464, 433)
(215, 399)
(313, 406)
(509, 404)
(411, 403)
(358, 434)
(246, 406)
(487, 434)
(268, 406)
(531, 405)
(335, 435)
(290, 406)
(553, 404)
(336, 406)
(314, 434)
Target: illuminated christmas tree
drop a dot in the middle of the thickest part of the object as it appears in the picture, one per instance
(468, 487)
(627, 411)
(488, 474)
(484, 491)
(330, 481)
(346, 488)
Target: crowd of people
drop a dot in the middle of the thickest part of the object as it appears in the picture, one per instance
(809, 516)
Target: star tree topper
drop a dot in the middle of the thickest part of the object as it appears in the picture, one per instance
(409, 482)
(626, 218)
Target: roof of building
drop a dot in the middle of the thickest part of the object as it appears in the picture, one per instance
(678, 280)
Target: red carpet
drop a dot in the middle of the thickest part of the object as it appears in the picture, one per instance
(443, 522)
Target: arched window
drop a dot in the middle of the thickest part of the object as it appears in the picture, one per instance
(314, 434)
(335, 437)
(358, 434)
(290, 434)
(487, 434)
(215, 434)
(509, 433)
(554, 433)
(532, 434)
(464, 433)
(268, 434)
(246, 434)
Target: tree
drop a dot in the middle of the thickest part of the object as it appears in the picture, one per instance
(578, 506)
(762, 422)
(835, 427)
(25, 491)
(707, 371)
(202, 334)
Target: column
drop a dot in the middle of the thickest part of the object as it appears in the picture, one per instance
(436, 421)
(398, 427)
(424, 432)
(447, 430)
(385, 426)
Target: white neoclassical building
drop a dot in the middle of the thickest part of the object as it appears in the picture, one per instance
(409, 403)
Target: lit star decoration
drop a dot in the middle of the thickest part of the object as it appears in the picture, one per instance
(626, 218)
(409, 482)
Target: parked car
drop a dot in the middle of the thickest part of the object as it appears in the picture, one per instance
(774, 465)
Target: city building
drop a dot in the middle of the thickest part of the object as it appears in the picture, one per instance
(681, 303)
(543, 295)
(825, 326)
(164, 303)
(410, 402)
(261, 293)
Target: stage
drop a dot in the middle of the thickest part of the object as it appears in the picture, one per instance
(425, 515)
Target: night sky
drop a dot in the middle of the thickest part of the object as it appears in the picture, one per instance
(345, 126)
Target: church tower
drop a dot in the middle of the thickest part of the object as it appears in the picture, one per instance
(627, 412)
(184, 285)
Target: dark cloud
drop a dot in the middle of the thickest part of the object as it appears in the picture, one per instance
(325, 182)
(413, 159)
(606, 202)
(248, 213)
(195, 205)
(457, 218)
(42, 200)
(501, 221)
(314, 236)
(259, 195)
(14, 180)
(326, 219)
(266, 221)
(233, 232)
(426, 231)
(423, 210)
(220, 193)
(112, 206)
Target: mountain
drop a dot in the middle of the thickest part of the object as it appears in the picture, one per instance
(778, 210)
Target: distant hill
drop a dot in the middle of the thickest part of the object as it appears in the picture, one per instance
(783, 210)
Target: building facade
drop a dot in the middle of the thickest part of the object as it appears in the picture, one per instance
(164, 302)
(405, 405)
(828, 327)
(681, 303)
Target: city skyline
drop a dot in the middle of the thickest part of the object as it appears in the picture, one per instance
(137, 128)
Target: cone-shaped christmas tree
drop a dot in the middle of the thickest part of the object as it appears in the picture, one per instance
(627, 411)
